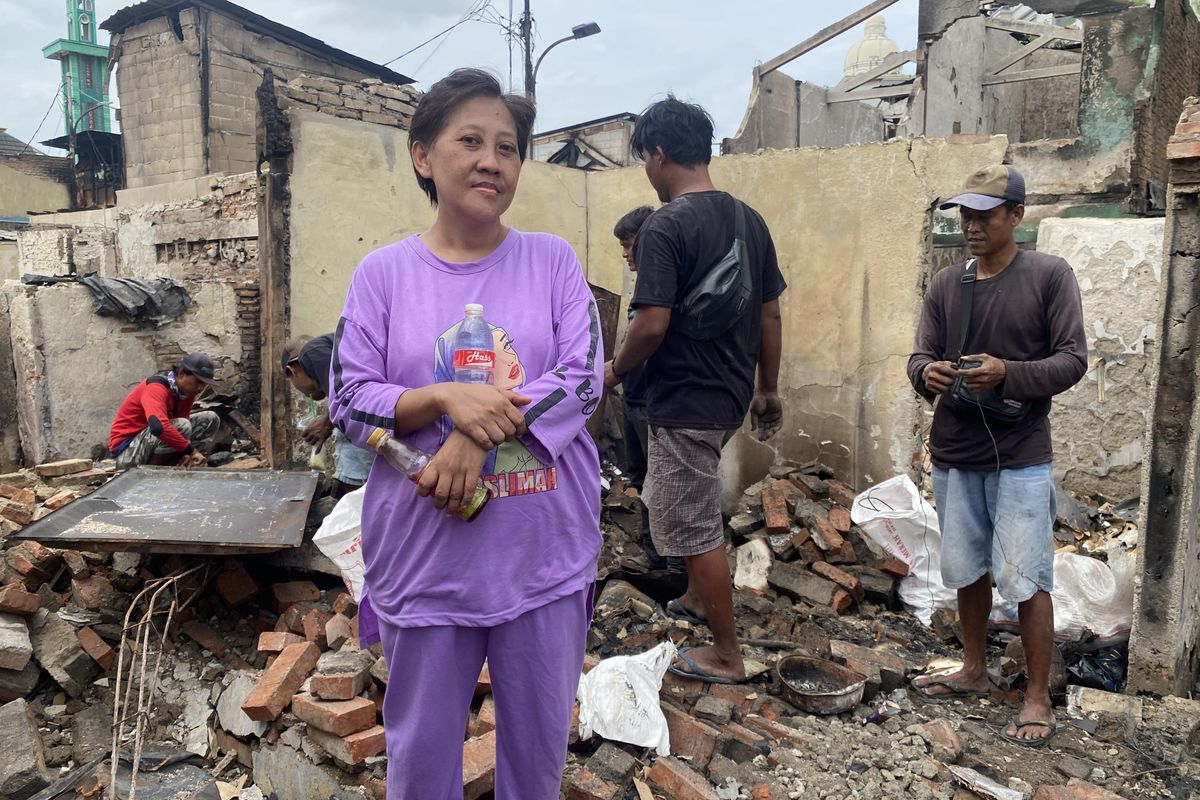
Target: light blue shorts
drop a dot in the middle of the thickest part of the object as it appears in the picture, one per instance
(1001, 523)
(352, 464)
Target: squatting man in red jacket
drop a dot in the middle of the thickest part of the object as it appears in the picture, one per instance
(155, 423)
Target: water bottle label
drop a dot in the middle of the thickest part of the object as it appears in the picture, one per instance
(474, 359)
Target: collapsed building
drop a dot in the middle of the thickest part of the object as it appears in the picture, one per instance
(262, 165)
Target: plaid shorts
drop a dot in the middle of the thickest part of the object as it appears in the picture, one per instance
(683, 490)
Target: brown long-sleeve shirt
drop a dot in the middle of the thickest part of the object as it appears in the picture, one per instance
(1030, 316)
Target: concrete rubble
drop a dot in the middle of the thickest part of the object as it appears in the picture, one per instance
(263, 676)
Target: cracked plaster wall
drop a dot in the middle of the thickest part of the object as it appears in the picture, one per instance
(1099, 426)
(851, 230)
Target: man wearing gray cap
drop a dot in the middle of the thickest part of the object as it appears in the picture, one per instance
(999, 336)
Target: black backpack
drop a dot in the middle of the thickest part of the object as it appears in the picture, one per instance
(722, 297)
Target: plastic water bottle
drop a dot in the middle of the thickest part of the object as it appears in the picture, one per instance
(411, 462)
(474, 352)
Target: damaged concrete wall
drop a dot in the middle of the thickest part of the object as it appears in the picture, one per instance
(74, 366)
(786, 113)
(10, 432)
(1099, 426)
(67, 250)
(851, 312)
(353, 190)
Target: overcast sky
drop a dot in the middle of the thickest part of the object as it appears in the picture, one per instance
(701, 50)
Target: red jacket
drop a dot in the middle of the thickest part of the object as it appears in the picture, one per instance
(151, 398)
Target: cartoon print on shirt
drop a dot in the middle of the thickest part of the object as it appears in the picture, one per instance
(510, 469)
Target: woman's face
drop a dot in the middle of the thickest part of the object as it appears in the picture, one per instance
(474, 162)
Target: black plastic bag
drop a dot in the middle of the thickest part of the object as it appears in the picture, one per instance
(1099, 669)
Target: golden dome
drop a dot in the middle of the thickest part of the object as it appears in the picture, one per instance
(869, 53)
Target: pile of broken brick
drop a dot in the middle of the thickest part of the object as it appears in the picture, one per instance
(264, 678)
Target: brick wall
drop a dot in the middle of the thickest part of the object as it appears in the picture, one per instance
(1176, 78)
(369, 100)
(158, 78)
(163, 84)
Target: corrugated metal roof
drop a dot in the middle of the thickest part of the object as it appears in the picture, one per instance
(152, 9)
(12, 146)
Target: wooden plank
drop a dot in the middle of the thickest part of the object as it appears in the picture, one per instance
(824, 35)
(1017, 55)
(887, 65)
(882, 93)
(249, 427)
(1033, 74)
(1033, 29)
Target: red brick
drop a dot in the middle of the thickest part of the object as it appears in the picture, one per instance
(479, 766)
(275, 641)
(840, 577)
(15, 600)
(93, 592)
(8, 491)
(352, 749)
(678, 686)
(16, 512)
(206, 637)
(1182, 129)
(26, 497)
(894, 567)
(778, 732)
(775, 513)
(96, 647)
(842, 601)
(680, 781)
(76, 565)
(839, 518)
(33, 560)
(57, 469)
(314, 627)
(825, 535)
(236, 586)
(484, 684)
(344, 604)
(739, 696)
(377, 787)
(338, 631)
(292, 592)
(810, 486)
(583, 785)
(342, 686)
(228, 743)
(485, 721)
(380, 671)
(943, 733)
(801, 537)
(840, 493)
(280, 681)
(339, 717)
(690, 738)
(292, 619)
(61, 499)
(1185, 149)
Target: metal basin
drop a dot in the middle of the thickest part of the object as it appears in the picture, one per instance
(819, 686)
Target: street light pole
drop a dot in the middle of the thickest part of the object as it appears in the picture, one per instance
(527, 40)
(578, 32)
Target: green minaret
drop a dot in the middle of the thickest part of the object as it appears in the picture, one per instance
(84, 70)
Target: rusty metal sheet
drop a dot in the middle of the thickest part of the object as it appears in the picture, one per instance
(203, 512)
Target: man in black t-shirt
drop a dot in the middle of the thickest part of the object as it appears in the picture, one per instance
(698, 391)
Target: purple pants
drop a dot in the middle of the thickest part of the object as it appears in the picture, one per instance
(534, 661)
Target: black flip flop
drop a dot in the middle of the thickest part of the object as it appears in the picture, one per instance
(676, 610)
(696, 672)
(1032, 744)
(956, 692)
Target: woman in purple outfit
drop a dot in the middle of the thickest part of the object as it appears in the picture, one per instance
(513, 587)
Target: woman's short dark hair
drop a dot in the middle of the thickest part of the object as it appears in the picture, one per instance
(436, 106)
(628, 225)
(683, 130)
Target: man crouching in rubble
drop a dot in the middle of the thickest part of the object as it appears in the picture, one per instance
(306, 361)
(155, 423)
(999, 336)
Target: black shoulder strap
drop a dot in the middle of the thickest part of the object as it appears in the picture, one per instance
(742, 248)
(968, 300)
(160, 380)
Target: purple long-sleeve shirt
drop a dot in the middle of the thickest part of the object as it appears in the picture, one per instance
(539, 538)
